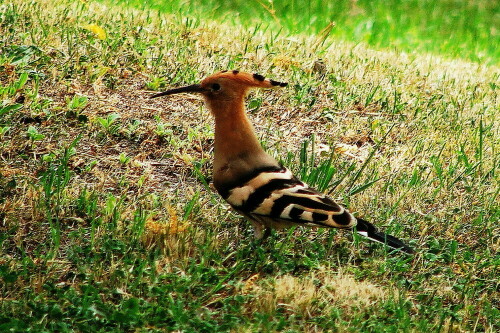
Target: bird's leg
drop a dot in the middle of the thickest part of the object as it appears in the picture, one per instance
(259, 230)
(267, 233)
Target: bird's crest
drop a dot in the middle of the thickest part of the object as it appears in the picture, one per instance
(250, 80)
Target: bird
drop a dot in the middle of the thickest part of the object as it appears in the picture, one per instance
(253, 182)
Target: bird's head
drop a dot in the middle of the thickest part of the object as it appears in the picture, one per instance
(225, 87)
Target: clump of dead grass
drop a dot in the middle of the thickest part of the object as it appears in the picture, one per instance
(309, 295)
(164, 233)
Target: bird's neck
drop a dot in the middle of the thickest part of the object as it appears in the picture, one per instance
(237, 150)
(234, 134)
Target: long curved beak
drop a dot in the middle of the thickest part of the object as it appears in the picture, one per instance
(194, 88)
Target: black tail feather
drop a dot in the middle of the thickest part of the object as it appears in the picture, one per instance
(368, 230)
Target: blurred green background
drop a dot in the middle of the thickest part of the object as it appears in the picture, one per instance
(455, 28)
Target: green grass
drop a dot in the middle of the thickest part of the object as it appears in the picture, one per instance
(108, 223)
(457, 28)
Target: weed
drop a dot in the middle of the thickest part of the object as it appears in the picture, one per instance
(163, 130)
(75, 106)
(156, 83)
(124, 159)
(33, 134)
(4, 130)
(109, 123)
(53, 183)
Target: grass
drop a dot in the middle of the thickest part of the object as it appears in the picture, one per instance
(107, 221)
(462, 29)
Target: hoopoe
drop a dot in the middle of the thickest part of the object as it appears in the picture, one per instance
(253, 182)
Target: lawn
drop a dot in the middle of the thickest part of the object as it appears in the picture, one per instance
(107, 219)
(454, 28)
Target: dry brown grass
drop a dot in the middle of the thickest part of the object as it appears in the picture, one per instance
(308, 296)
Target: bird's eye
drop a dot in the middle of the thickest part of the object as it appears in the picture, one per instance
(216, 87)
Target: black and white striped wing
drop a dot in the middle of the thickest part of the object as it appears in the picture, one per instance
(273, 197)
(275, 193)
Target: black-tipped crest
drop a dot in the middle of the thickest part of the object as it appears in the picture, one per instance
(258, 77)
(276, 83)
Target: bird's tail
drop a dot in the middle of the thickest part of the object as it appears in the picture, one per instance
(368, 230)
